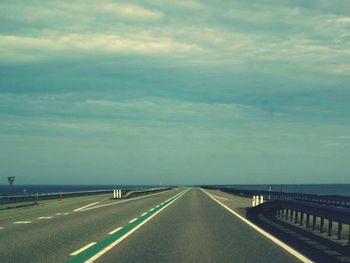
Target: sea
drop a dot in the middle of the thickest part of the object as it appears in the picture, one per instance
(321, 189)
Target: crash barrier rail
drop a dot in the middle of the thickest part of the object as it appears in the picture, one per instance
(122, 193)
(301, 213)
(47, 196)
(332, 200)
(142, 191)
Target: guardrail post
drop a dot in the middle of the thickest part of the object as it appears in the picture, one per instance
(314, 222)
(330, 226)
(307, 220)
(340, 227)
(321, 225)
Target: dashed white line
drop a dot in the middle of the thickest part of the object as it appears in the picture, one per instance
(1, 227)
(86, 206)
(145, 213)
(106, 249)
(151, 209)
(133, 220)
(22, 222)
(58, 214)
(44, 217)
(65, 214)
(123, 201)
(115, 230)
(82, 249)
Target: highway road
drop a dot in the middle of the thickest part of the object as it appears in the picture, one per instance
(181, 225)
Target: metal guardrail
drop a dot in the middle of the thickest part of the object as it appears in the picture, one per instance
(332, 200)
(125, 193)
(47, 196)
(299, 208)
(300, 212)
(142, 191)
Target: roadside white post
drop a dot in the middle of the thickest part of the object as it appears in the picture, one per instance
(120, 193)
(114, 194)
(253, 201)
(261, 199)
(256, 200)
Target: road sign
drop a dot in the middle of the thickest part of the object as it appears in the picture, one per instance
(11, 179)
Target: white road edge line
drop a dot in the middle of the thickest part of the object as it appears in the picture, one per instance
(127, 200)
(223, 198)
(106, 249)
(82, 249)
(114, 231)
(263, 232)
(86, 206)
(22, 222)
(133, 220)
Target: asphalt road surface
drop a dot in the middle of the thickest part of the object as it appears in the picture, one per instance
(181, 225)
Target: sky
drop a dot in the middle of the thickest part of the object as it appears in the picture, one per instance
(175, 92)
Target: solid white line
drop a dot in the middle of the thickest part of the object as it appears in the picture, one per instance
(223, 198)
(82, 249)
(263, 232)
(44, 217)
(109, 247)
(127, 200)
(133, 220)
(115, 230)
(86, 206)
(22, 222)
(145, 213)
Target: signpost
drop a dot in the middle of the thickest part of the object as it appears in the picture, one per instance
(11, 181)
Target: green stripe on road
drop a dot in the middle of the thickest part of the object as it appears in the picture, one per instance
(87, 254)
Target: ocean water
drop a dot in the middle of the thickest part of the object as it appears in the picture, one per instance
(32, 189)
(321, 189)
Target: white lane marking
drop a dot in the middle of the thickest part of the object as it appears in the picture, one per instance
(127, 200)
(65, 214)
(1, 227)
(133, 220)
(22, 222)
(109, 247)
(58, 214)
(263, 232)
(82, 249)
(85, 206)
(44, 217)
(145, 213)
(115, 230)
(223, 198)
(151, 209)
